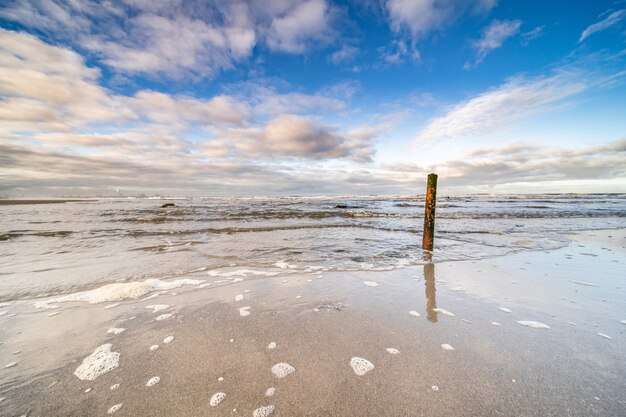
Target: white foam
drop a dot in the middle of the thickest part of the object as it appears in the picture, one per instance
(101, 361)
(393, 351)
(6, 303)
(466, 321)
(370, 283)
(54, 314)
(495, 323)
(606, 336)
(11, 365)
(446, 346)
(217, 398)
(115, 408)
(236, 280)
(154, 347)
(282, 369)
(158, 307)
(153, 381)
(115, 330)
(298, 296)
(434, 388)
(533, 324)
(114, 387)
(164, 316)
(239, 297)
(168, 339)
(264, 411)
(443, 311)
(118, 292)
(504, 309)
(112, 305)
(458, 289)
(414, 313)
(244, 311)
(361, 366)
(220, 379)
(87, 390)
(3, 313)
(270, 392)
(623, 321)
(284, 265)
(241, 273)
(272, 345)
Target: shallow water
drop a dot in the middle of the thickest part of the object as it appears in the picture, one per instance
(60, 248)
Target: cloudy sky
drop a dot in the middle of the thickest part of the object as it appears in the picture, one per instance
(265, 97)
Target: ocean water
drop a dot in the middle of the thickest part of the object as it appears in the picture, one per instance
(48, 249)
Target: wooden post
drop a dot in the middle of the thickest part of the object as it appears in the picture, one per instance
(429, 212)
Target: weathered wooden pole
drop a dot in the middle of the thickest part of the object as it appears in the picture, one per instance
(429, 212)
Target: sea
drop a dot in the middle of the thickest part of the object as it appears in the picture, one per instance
(51, 249)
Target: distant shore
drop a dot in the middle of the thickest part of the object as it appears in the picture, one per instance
(51, 201)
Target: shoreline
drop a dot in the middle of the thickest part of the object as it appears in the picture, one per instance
(505, 369)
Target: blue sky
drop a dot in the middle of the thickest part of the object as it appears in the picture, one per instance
(266, 97)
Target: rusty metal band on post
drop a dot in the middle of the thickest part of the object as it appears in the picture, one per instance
(429, 212)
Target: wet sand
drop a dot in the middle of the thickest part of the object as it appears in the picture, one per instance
(319, 321)
(29, 202)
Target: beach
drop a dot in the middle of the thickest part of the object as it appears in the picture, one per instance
(537, 332)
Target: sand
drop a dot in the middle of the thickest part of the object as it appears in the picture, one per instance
(510, 369)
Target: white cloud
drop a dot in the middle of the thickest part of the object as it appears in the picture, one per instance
(180, 39)
(399, 52)
(421, 17)
(347, 53)
(493, 36)
(611, 20)
(517, 99)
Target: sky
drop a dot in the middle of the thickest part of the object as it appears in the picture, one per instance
(311, 97)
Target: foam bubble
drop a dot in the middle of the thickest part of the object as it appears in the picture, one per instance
(118, 291)
(101, 361)
(236, 280)
(220, 379)
(370, 283)
(270, 392)
(414, 313)
(158, 307)
(458, 289)
(54, 314)
(495, 323)
(115, 330)
(434, 388)
(239, 297)
(153, 381)
(443, 311)
(241, 273)
(3, 313)
(533, 324)
(285, 265)
(264, 411)
(114, 387)
(244, 311)
(446, 346)
(282, 369)
(112, 306)
(11, 365)
(504, 309)
(361, 366)
(606, 336)
(168, 339)
(88, 390)
(272, 345)
(154, 347)
(466, 321)
(217, 398)
(164, 316)
(115, 408)
(393, 351)
(298, 297)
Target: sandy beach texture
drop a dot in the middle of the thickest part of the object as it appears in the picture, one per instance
(531, 334)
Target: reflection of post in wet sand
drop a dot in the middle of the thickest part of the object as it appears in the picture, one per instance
(429, 281)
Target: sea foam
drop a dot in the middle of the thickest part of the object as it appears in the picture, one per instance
(153, 381)
(118, 292)
(217, 398)
(101, 361)
(115, 408)
(533, 324)
(443, 311)
(282, 370)
(361, 366)
(264, 411)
